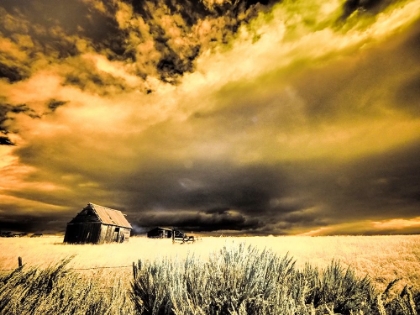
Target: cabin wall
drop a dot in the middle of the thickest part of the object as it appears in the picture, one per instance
(106, 234)
(82, 232)
(126, 232)
(159, 233)
(111, 233)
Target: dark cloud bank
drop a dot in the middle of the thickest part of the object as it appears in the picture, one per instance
(255, 199)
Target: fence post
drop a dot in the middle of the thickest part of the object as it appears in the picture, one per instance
(20, 262)
(134, 270)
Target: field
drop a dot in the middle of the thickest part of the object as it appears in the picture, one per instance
(382, 259)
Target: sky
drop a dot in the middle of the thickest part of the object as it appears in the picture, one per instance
(238, 117)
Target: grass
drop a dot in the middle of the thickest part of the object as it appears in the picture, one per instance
(319, 275)
(57, 290)
(383, 258)
(241, 279)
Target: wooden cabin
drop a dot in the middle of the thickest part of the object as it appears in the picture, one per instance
(97, 225)
(160, 232)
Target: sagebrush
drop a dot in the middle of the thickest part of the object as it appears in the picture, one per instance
(241, 279)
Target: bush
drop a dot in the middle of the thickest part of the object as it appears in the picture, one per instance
(241, 279)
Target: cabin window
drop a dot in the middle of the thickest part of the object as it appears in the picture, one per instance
(117, 229)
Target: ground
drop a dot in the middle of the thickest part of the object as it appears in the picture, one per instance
(382, 258)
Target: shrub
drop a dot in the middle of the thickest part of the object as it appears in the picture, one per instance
(339, 288)
(241, 279)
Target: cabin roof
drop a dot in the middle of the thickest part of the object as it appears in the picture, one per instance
(110, 216)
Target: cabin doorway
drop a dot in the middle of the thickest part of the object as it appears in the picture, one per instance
(116, 237)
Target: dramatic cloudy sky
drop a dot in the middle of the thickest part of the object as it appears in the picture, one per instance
(226, 116)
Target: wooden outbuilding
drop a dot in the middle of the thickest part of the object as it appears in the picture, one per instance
(160, 232)
(97, 225)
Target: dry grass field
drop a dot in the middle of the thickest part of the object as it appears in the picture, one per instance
(381, 258)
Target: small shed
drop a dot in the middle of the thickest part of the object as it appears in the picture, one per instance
(160, 232)
(97, 224)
